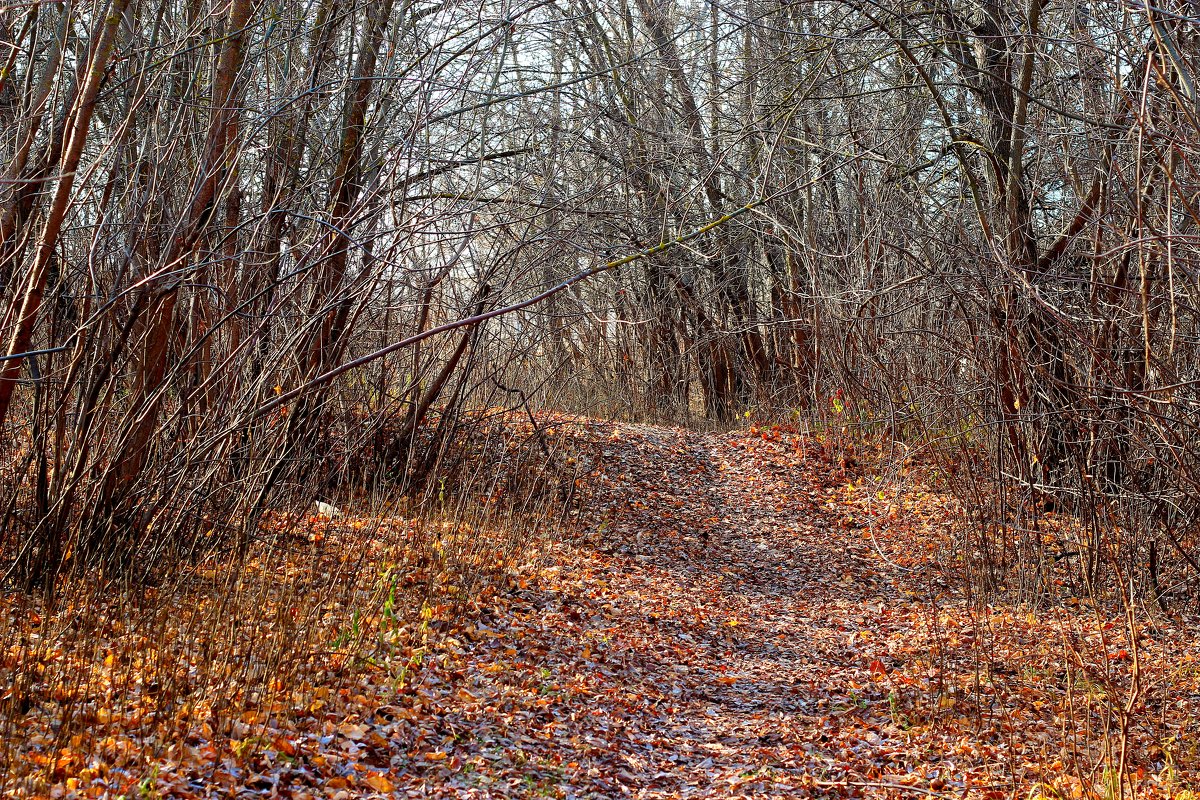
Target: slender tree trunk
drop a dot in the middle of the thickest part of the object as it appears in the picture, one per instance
(212, 180)
(30, 301)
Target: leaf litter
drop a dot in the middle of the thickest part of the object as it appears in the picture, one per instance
(737, 614)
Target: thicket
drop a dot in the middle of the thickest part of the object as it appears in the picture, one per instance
(259, 254)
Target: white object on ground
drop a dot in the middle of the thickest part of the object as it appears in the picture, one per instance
(327, 510)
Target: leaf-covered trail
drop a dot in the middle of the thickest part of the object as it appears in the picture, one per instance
(741, 620)
(722, 625)
(740, 595)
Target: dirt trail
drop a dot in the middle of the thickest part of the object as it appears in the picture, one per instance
(716, 635)
(743, 615)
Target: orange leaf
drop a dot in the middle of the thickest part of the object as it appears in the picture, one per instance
(378, 782)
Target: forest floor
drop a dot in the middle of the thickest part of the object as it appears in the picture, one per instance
(738, 615)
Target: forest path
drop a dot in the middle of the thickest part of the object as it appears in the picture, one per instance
(722, 630)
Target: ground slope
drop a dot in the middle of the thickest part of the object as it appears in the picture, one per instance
(733, 615)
